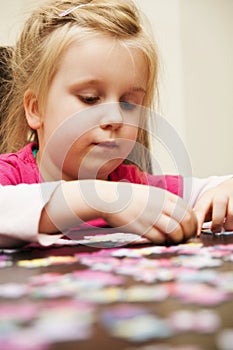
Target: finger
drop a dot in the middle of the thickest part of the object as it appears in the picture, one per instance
(174, 230)
(189, 224)
(202, 208)
(178, 221)
(143, 228)
(186, 221)
(200, 221)
(184, 216)
(155, 236)
(170, 228)
(228, 225)
(219, 213)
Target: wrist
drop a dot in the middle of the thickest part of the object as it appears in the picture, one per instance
(98, 196)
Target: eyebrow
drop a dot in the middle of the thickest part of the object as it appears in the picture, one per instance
(90, 82)
(139, 88)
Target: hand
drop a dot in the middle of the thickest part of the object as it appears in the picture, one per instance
(216, 205)
(147, 211)
(152, 212)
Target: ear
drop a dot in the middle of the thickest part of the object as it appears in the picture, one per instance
(32, 110)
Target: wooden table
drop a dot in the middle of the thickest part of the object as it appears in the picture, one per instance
(101, 339)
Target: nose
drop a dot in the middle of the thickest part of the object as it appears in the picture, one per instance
(112, 117)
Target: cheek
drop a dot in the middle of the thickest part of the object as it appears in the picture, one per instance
(128, 140)
(131, 132)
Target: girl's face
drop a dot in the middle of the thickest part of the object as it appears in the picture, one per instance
(91, 115)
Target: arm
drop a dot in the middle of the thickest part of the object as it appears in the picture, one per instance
(20, 213)
(34, 213)
(152, 212)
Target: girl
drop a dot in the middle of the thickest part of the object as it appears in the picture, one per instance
(84, 74)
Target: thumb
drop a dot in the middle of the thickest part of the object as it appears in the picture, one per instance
(201, 210)
(200, 215)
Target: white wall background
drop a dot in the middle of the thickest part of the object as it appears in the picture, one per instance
(195, 41)
(207, 51)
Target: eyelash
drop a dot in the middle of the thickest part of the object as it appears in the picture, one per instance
(127, 105)
(91, 100)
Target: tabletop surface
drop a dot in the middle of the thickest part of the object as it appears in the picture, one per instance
(128, 297)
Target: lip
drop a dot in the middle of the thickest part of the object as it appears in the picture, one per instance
(110, 144)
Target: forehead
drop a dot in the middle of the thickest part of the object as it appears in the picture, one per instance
(104, 56)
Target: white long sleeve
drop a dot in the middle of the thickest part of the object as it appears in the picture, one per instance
(195, 187)
(20, 211)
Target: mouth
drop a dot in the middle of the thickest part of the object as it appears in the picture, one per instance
(109, 144)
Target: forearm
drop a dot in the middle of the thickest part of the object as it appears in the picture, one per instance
(75, 202)
(35, 212)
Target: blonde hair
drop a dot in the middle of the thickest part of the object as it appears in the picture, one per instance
(48, 33)
(5, 81)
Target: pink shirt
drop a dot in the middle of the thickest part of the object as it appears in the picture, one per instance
(20, 167)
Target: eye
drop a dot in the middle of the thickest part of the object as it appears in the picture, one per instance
(127, 105)
(90, 100)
